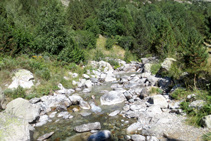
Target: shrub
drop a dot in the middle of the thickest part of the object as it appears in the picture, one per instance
(180, 93)
(19, 92)
(109, 43)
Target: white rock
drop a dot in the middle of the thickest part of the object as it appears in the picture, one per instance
(88, 83)
(138, 138)
(86, 76)
(23, 109)
(23, 78)
(42, 120)
(114, 113)
(133, 128)
(167, 63)
(158, 100)
(112, 97)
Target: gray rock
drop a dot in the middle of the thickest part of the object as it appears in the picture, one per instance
(126, 108)
(87, 90)
(197, 104)
(152, 138)
(112, 97)
(167, 63)
(114, 113)
(158, 100)
(138, 138)
(84, 114)
(88, 127)
(13, 128)
(134, 127)
(84, 105)
(206, 121)
(64, 115)
(23, 109)
(104, 135)
(1, 98)
(42, 120)
(23, 78)
(75, 99)
(53, 114)
(35, 100)
(45, 136)
(110, 77)
(94, 108)
(154, 110)
(86, 76)
(147, 67)
(94, 80)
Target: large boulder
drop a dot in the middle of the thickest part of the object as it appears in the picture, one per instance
(1, 98)
(88, 127)
(13, 128)
(23, 78)
(112, 97)
(23, 109)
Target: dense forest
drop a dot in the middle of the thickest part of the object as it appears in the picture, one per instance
(155, 28)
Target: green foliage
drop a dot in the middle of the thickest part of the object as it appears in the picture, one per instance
(109, 43)
(129, 56)
(98, 55)
(155, 68)
(19, 92)
(155, 90)
(207, 136)
(180, 93)
(86, 39)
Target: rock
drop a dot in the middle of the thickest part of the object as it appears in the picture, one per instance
(158, 100)
(197, 104)
(147, 67)
(74, 75)
(34, 100)
(164, 83)
(63, 90)
(154, 110)
(74, 82)
(191, 96)
(23, 109)
(134, 127)
(206, 121)
(153, 80)
(94, 108)
(88, 83)
(23, 78)
(1, 99)
(75, 99)
(110, 77)
(83, 104)
(42, 120)
(52, 115)
(94, 80)
(81, 83)
(144, 93)
(167, 63)
(112, 97)
(104, 135)
(86, 90)
(88, 127)
(84, 114)
(13, 128)
(152, 138)
(45, 136)
(79, 137)
(138, 138)
(64, 115)
(86, 76)
(114, 113)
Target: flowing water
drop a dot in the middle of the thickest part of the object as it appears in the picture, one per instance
(64, 128)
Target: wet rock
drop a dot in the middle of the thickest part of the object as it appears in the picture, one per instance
(64, 115)
(112, 97)
(14, 128)
(164, 83)
(126, 108)
(94, 108)
(45, 136)
(114, 113)
(138, 138)
(104, 135)
(23, 78)
(79, 137)
(23, 109)
(84, 105)
(88, 127)
(133, 128)
(84, 114)
(158, 100)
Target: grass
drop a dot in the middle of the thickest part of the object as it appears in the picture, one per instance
(156, 90)
(207, 136)
(155, 68)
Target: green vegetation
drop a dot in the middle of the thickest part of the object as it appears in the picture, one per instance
(155, 90)
(155, 68)
(49, 40)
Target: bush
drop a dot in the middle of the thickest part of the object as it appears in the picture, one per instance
(109, 43)
(180, 93)
(19, 92)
